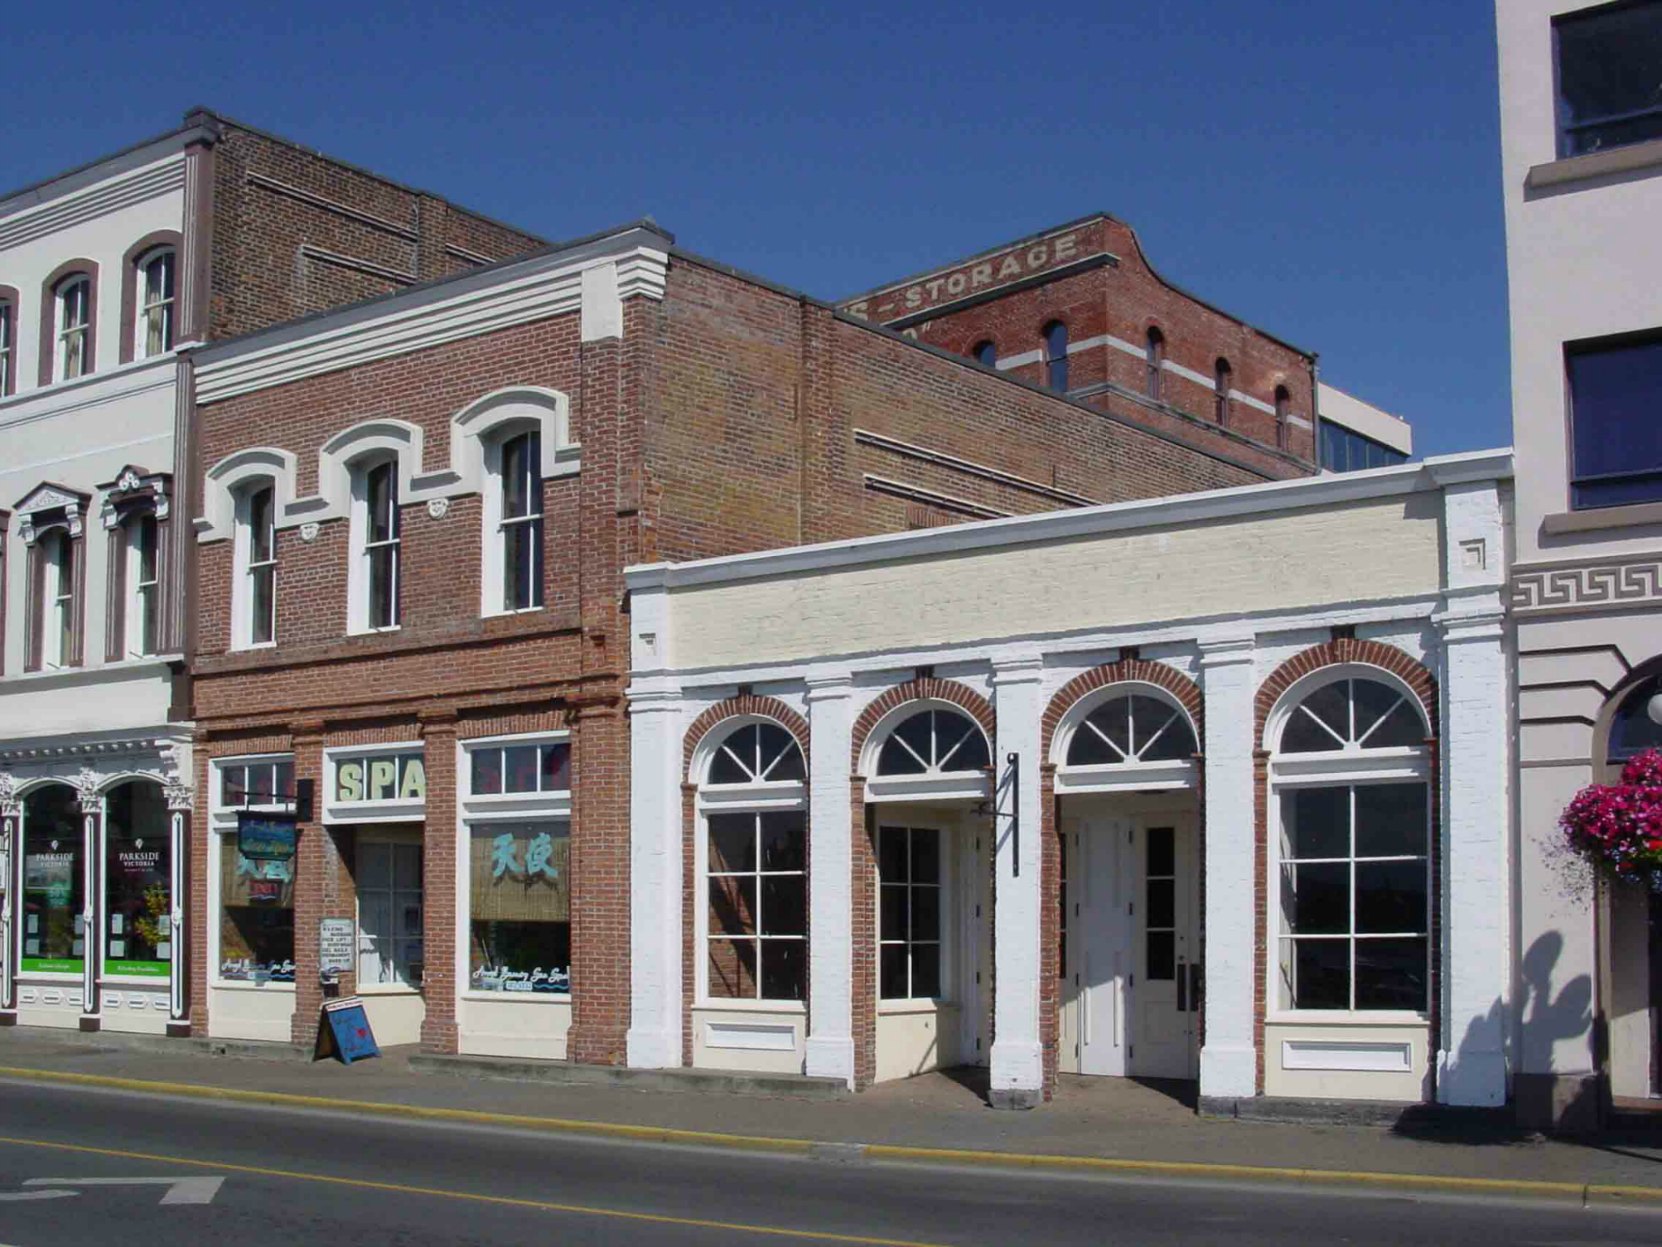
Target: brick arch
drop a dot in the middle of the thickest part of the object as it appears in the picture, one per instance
(923, 689)
(1141, 670)
(734, 707)
(1346, 650)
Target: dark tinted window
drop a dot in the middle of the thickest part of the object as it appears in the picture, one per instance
(1345, 451)
(1615, 433)
(986, 353)
(1609, 77)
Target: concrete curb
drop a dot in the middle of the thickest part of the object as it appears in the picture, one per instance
(1586, 1194)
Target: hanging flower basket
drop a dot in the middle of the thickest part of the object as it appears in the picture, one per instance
(1620, 825)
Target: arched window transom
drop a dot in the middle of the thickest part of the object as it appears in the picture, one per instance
(1130, 729)
(1352, 714)
(757, 753)
(934, 742)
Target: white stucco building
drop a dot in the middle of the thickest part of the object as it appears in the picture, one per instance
(1210, 787)
(96, 302)
(1582, 139)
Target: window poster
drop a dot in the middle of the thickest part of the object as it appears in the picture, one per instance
(520, 908)
(53, 875)
(137, 882)
(256, 928)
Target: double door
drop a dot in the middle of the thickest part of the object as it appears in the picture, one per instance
(1130, 952)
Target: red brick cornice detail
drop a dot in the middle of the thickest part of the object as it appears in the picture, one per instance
(923, 689)
(1347, 650)
(1140, 670)
(744, 704)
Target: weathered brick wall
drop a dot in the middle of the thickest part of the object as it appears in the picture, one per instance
(295, 232)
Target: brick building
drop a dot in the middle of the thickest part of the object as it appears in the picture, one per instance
(109, 275)
(414, 519)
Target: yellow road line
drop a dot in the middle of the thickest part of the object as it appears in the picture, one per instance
(1539, 1188)
(506, 1201)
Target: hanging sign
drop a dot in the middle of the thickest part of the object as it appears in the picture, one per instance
(344, 1033)
(267, 837)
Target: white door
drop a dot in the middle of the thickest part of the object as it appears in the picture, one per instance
(1165, 971)
(1095, 939)
(390, 925)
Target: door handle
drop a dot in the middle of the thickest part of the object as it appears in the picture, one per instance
(1182, 987)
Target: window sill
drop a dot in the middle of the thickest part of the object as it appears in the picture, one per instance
(238, 985)
(522, 998)
(793, 1007)
(1572, 169)
(904, 1007)
(387, 989)
(1601, 519)
(1343, 1017)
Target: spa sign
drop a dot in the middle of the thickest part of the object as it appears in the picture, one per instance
(391, 776)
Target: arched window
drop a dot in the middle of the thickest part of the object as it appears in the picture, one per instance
(143, 579)
(986, 354)
(254, 587)
(1156, 362)
(934, 742)
(72, 304)
(1637, 725)
(754, 862)
(514, 521)
(8, 348)
(1351, 777)
(1222, 379)
(1056, 355)
(1131, 729)
(54, 878)
(153, 332)
(373, 585)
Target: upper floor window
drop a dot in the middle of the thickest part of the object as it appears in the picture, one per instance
(1056, 355)
(375, 542)
(1222, 378)
(516, 463)
(1615, 438)
(1156, 361)
(1283, 409)
(8, 354)
(58, 599)
(254, 593)
(1609, 89)
(986, 354)
(1343, 450)
(143, 586)
(73, 303)
(156, 303)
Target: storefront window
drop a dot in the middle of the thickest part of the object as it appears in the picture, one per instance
(519, 906)
(256, 898)
(758, 899)
(54, 937)
(137, 880)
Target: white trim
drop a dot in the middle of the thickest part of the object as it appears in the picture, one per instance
(464, 307)
(109, 195)
(1361, 1056)
(392, 810)
(1238, 501)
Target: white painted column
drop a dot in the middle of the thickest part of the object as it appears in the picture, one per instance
(1017, 1059)
(655, 875)
(11, 851)
(1228, 1056)
(179, 802)
(830, 879)
(1475, 763)
(93, 831)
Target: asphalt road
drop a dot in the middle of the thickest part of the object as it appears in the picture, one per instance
(313, 1177)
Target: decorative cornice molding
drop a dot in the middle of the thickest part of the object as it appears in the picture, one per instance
(133, 485)
(1605, 584)
(10, 805)
(48, 505)
(100, 199)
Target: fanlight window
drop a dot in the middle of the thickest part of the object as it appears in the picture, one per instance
(933, 742)
(1130, 729)
(758, 753)
(1352, 714)
(1638, 722)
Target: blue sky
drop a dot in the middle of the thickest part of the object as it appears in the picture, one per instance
(1327, 171)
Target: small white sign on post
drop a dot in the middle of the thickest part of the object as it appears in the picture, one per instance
(335, 945)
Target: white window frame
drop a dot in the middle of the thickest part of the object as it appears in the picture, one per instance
(64, 332)
(1345, 767)
(763, 797)
(359, 576)
(393, 809)
(1133, 775)
(167, 306)
(8, 348)
(394, 839)
(222, 827)
(57, 617)
(244, 567)
(143, 595)
(932, 785)
(493, 564)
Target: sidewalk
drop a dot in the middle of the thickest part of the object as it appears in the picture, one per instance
(1113, 1119)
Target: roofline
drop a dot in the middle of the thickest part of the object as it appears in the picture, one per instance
(302, 326)
(33, 195)
(871, 326)
(223, 120)
(1057, 229)
(1232, 503)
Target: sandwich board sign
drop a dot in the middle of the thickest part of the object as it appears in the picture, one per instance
(344, 1033)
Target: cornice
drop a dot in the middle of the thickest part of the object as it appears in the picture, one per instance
(101, 198)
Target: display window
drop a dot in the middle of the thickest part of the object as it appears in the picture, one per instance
(54, 882)
(138, 864)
